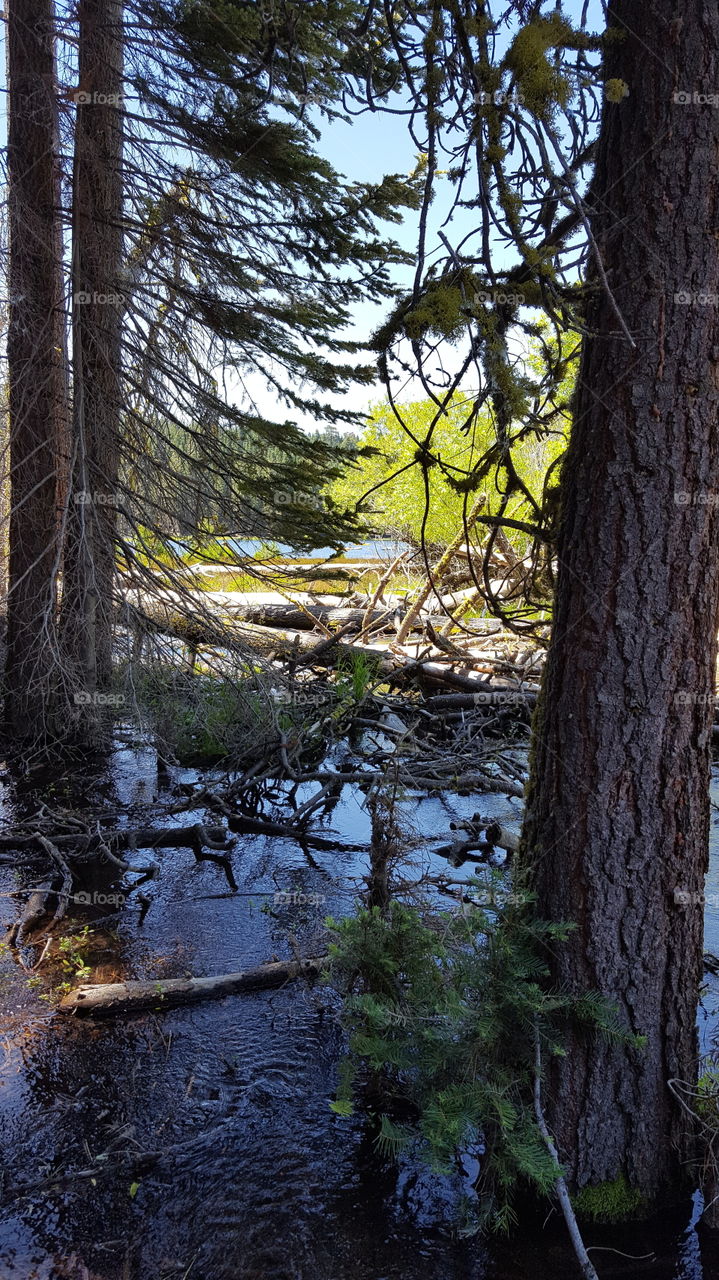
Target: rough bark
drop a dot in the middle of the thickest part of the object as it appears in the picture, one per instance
(35, 364)
(618, 806)
(96, 326)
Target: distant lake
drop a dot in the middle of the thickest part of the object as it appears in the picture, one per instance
(376, 549)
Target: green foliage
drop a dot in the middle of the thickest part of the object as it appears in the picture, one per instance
(542, 84)
(355, 674)
(609, 1202)
(442, 1013)
(411, 491)
(73, 948)
(73, 955)
(247, 254)
(440, 312)
(706, 1102)
(203, 718)
(510, 102)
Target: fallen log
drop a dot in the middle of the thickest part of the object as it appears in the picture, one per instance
(301, 617)
(269, 642)
(245, 825)
(194, 837)
(112, 998)
(35, 913)
(322, 570)
(494, 696)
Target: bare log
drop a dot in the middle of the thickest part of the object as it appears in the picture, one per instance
(467, 680)
(138, 838)
(301, 617)
(37, 909)
(495, 837)
(495, 696)
(245, 825)
(110, 999)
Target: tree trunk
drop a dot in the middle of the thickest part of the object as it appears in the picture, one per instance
(97, 325)
(618, 805)
(35, 365)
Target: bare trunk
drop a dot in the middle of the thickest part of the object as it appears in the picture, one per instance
(36, 374)
(97, 323)
(618, 807)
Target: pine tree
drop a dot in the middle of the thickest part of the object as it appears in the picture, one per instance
(36, 376)
(507, 108)
(97, 262)
(210, 243)
(618, 810)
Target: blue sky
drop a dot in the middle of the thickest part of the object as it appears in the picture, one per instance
(374, 144)
(366, 148)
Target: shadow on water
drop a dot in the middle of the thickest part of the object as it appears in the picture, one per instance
(198, 1144)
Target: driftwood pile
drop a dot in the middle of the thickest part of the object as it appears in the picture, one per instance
(428, 635)
(438, 678)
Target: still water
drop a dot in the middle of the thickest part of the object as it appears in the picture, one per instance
(221, 1159)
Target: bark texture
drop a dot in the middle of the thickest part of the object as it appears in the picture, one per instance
(97, 350)
(35, 365)
(618, 806)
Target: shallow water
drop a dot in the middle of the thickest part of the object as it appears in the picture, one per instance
(251, 1174)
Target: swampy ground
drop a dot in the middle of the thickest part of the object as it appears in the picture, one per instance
(198, 1143)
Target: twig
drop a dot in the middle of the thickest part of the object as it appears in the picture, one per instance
(585, 1262)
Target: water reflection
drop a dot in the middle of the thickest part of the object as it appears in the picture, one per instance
(209, 1148)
